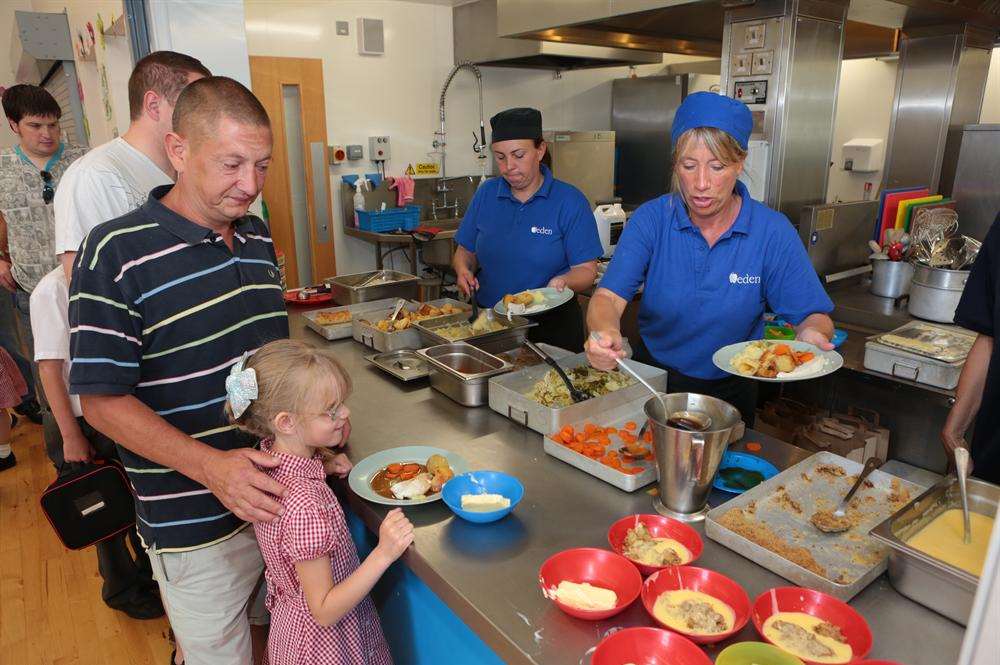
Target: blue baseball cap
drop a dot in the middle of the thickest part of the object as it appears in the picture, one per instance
(709, 109)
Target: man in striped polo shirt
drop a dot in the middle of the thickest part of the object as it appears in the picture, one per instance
(163, 302)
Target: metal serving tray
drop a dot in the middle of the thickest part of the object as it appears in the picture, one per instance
(894, 361)
(348, 289)
(515, 331)
(363, 328)
(462, 371)
(343, 330)
(631, 412)
(405, 365)
(939, 342)
(509, 396)
(851, 560)
(933, 583)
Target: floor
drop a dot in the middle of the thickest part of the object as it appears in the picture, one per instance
(50, 597)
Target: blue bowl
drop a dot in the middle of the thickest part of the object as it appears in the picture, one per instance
(743, 461)
(482, 482)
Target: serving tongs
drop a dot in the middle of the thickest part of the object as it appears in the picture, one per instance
(378, 274)
(962, 471)
(400, 304)
(575, 394)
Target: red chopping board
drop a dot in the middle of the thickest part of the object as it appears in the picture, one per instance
(891, 207)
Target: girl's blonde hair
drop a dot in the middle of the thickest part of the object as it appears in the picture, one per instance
(291, 376)
(722, 146)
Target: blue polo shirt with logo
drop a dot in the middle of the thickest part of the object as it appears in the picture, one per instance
(698, 299)
(522, 246)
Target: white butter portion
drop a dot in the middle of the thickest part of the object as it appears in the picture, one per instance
(484, 503)
(586, 596)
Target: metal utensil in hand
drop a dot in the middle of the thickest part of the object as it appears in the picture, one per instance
(656, 393)
(575, 394)
(836, 521)
(378, 274)
(962, 471)
(399, 308)
(475, 305)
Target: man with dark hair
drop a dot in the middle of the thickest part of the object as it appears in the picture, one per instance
(29, 174)
(165, 301)
(116, 178)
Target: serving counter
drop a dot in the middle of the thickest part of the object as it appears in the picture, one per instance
(487, 575)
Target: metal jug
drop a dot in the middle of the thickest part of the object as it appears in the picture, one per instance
(688, 444)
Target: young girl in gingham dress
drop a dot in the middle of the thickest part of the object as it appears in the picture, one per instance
(292, 395)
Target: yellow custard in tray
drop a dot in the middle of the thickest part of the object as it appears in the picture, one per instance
(807, 637)
(942, 539)
(694, 612)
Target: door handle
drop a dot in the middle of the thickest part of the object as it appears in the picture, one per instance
(320, 183)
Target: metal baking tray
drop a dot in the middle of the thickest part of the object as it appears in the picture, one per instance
(343, 330)
(363, 327)
(404, 364)
(895, 361)
(614, 418)
(509, 395)
(933, 583)
(850, 560)
(944, 343)
(347, 289)
(462, 371)
(514, 331)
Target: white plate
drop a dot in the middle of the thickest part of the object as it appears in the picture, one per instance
(834, 360)
(553, 298)
(361, 475)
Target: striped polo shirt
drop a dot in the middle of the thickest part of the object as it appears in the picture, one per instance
(160, 308)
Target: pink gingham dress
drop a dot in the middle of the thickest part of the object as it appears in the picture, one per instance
(312, 526)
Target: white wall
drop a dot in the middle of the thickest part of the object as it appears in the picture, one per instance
(991, 100)
(397, 93)
(864, 109)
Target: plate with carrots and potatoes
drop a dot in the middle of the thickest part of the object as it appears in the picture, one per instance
(777, 361)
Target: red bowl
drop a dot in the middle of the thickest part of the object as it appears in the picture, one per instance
(817, 604)
(659, 527)
(648, 646)
(706, 581)
(597, 567)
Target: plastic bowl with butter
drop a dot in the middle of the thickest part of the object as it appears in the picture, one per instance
(482, 482)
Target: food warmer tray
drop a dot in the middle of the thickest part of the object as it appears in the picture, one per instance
(614, 418)
(514, 333)
(509, 395)
(343, 330)
(852, 559)
(349, 289)
(939, 342)
(933, 583)
(364, 331)
(462, 371)
(894, 361)
(404, 364)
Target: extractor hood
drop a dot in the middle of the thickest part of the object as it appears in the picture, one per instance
(476, 40)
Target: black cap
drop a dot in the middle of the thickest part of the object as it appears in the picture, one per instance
(513, 124)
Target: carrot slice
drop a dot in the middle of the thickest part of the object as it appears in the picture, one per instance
(805, 357)
(407, 475)
(390, 475)
(394, 468)
(630, 426)
(415, 468)
(754, 447)
(648, 436)
(782, 350)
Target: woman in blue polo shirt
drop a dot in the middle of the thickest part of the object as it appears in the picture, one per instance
(712, 260)
(527, 230)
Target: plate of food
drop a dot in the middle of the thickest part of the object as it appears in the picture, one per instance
(405, 476)
(777, 361)
(533, 301)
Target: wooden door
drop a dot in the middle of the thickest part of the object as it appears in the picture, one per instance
(297, 189)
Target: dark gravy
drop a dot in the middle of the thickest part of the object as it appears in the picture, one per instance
(381, 482)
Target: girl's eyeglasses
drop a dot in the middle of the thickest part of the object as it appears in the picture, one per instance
(335, 414)
(48, 193)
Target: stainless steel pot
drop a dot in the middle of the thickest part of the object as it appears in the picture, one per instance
(891, 279)
(687, 460)
(935, 292)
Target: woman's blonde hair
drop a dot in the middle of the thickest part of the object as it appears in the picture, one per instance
(291, 377)
(722, 146)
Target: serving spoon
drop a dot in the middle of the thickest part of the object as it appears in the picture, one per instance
(962, 471)
(836, 521)
(594, 336)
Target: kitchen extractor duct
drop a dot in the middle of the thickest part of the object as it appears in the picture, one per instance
(477, 41)
(40, 41)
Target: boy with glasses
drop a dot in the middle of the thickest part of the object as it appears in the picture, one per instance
(29, 174)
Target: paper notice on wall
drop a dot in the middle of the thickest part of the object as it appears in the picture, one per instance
(428, 168)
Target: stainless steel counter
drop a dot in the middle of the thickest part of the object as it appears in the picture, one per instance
(487, 574)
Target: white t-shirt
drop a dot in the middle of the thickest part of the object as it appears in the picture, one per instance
(109, 181)
(50, 324)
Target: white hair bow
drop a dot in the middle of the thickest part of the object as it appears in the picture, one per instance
(241, 386)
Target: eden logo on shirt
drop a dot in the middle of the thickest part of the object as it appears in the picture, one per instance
(745, 279)
(541, 230)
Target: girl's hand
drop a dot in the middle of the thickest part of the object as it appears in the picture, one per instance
(337, 465)
(395, 534)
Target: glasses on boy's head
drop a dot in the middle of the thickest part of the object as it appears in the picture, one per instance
(48, 193)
